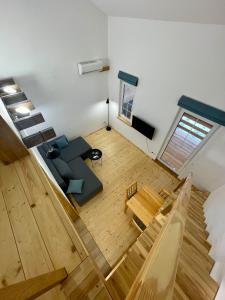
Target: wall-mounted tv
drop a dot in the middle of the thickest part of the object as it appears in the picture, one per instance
(143, 127)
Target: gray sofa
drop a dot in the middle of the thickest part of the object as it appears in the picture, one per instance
(74, 155)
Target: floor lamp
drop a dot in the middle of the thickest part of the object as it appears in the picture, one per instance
(108, 127)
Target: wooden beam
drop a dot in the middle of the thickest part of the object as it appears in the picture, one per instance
(157, 277)
(34, 287)
(11, 148)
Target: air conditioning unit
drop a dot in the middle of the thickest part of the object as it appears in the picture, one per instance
(90, 66)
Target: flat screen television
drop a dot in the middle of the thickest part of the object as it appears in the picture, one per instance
(143, 127)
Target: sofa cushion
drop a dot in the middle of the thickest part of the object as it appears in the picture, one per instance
(63, 168)
(92, 185)
(53, 141)
(75, 186)
(61, 142)
(76, 148)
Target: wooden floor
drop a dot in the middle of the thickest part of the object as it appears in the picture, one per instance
(33, 239)
(123, 163)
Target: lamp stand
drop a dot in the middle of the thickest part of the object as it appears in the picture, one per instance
(108, 127)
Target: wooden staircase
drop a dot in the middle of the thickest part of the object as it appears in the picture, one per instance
(192, 279)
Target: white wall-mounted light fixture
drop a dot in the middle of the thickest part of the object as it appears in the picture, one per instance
(9, 90)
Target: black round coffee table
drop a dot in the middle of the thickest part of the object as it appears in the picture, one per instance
(95, 154)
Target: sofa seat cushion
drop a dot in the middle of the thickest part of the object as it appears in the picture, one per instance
(63, 168)
(61, 142)
(58, 142)
(76, 148)
(92, 185)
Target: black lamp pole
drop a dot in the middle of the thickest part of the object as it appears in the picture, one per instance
(108, 127)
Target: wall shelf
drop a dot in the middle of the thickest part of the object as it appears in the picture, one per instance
(12, 109)
(22, 118)
(30, 121)
(14, 98)
(39, 137)
(9, 82)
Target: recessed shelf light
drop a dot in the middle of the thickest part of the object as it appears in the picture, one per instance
(9, 90)
(22, 110)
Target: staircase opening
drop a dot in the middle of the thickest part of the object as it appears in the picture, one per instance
(186, 137)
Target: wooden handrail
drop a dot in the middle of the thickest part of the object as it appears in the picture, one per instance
(34, 287)
(157, 276)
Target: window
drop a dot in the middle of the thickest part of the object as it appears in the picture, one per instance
(188, 135)
(126, 100)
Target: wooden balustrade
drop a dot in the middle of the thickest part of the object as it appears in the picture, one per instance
(34, 287)
(157, 276)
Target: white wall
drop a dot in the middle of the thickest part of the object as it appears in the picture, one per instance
(214, 212)
(41, 44)
(170, 59)
(208, 166)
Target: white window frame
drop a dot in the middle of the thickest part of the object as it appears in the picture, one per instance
(121, 96)
(181, 111)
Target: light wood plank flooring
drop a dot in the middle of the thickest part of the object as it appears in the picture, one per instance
(104, 215)
(33, 239)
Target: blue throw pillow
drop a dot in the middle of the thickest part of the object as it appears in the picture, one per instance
(75, 186)
(63, 168)
(61, 142)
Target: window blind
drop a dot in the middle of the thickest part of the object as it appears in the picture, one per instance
(131, 79)
(209, 112)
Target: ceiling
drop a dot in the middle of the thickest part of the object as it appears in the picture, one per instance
(194, 11)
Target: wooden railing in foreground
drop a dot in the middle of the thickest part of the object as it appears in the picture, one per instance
(156, 278)
(34, 287)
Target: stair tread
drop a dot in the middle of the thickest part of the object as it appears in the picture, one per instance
(198, 198)
(188, 238)
(194, 286)
(199, 271)
(201, 228)
(200, 237)
(201, 223)
(178, 293)
(199, 214)
(207, 261)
